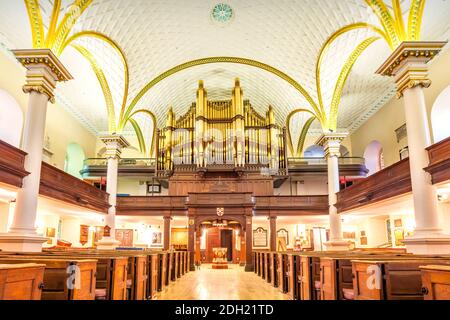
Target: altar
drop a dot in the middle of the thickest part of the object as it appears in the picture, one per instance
(220, 258)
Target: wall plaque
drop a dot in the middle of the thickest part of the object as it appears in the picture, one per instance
(84, 234)
(260, 237)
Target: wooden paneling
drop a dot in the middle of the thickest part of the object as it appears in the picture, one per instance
(21, 281)
(183, 183)
(59, 185)
(291, 205)
(390, 182)
(439, 167)
(436, 282)
(12, 161)
(157, 205)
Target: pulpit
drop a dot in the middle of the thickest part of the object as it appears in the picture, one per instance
(220, 260)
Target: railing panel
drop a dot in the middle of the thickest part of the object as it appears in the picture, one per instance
(60, 185)
(439, 166)
(387, 183)
(12, 161)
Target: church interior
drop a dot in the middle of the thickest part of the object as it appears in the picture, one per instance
(235, 150)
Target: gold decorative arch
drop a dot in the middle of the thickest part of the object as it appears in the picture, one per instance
(236, 60)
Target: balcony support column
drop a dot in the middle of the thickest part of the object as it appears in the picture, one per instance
(114, 145)
(44, 70)
(408, 66)
(332, 143)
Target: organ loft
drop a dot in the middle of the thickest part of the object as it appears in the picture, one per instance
(225, 140)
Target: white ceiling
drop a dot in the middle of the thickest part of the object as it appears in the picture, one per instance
(157, 35)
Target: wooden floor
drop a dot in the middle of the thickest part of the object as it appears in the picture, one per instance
(231, 284)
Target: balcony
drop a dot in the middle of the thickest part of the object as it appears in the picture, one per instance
(131, 167)
(390, 182)
(59, 185)
(439, 166)
(12, 162)
(348, 166)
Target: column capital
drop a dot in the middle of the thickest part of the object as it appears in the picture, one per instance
(331, 142)
(408, 64)
(114, 145)
(44, 70)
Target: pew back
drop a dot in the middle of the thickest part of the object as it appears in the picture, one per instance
(21, 281)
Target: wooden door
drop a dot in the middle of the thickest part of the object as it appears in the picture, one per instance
(212, 241)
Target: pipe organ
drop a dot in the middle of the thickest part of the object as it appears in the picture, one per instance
(228, 133)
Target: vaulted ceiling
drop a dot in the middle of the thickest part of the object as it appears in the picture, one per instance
(157, 35)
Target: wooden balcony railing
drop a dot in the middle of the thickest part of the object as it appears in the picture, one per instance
(148, 206)
(12, 161)
(291, 205)
(59, 185)
(439, 167)
(387, 183)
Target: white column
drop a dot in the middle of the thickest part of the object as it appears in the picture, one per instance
(333, 188)
(114, 145)
(332, 143)
(408, 66)
(44, 70)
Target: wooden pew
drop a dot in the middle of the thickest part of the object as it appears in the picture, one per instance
(152, 287)
(390, 279)
(111, 280)
(261, 265)
(435, 282)
(57, 274)
(282, 272)
(273, 268)
(21, 281)
(174, 274)
(137, 268)
(254, 259)
(169, 268)
(162, 269)
(292, 276)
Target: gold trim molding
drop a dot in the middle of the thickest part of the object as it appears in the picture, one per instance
(114, 145)
(331, 141)
(44, 70)
(408, 64)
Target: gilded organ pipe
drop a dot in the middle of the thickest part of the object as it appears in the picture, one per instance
(221, 132)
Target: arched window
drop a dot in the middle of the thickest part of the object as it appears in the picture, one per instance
(74, 159)
(314, 151)
(11, 119)
(344, 151)
(440, 113)
(374, 157)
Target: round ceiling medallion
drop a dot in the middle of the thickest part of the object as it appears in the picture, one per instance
(222, 12)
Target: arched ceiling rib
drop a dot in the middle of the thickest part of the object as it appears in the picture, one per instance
(286, 34)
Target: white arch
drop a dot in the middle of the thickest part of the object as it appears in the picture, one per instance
(11, 119)
(374, 157)
(440, 115)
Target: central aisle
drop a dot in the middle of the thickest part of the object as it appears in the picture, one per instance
(231, 284)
